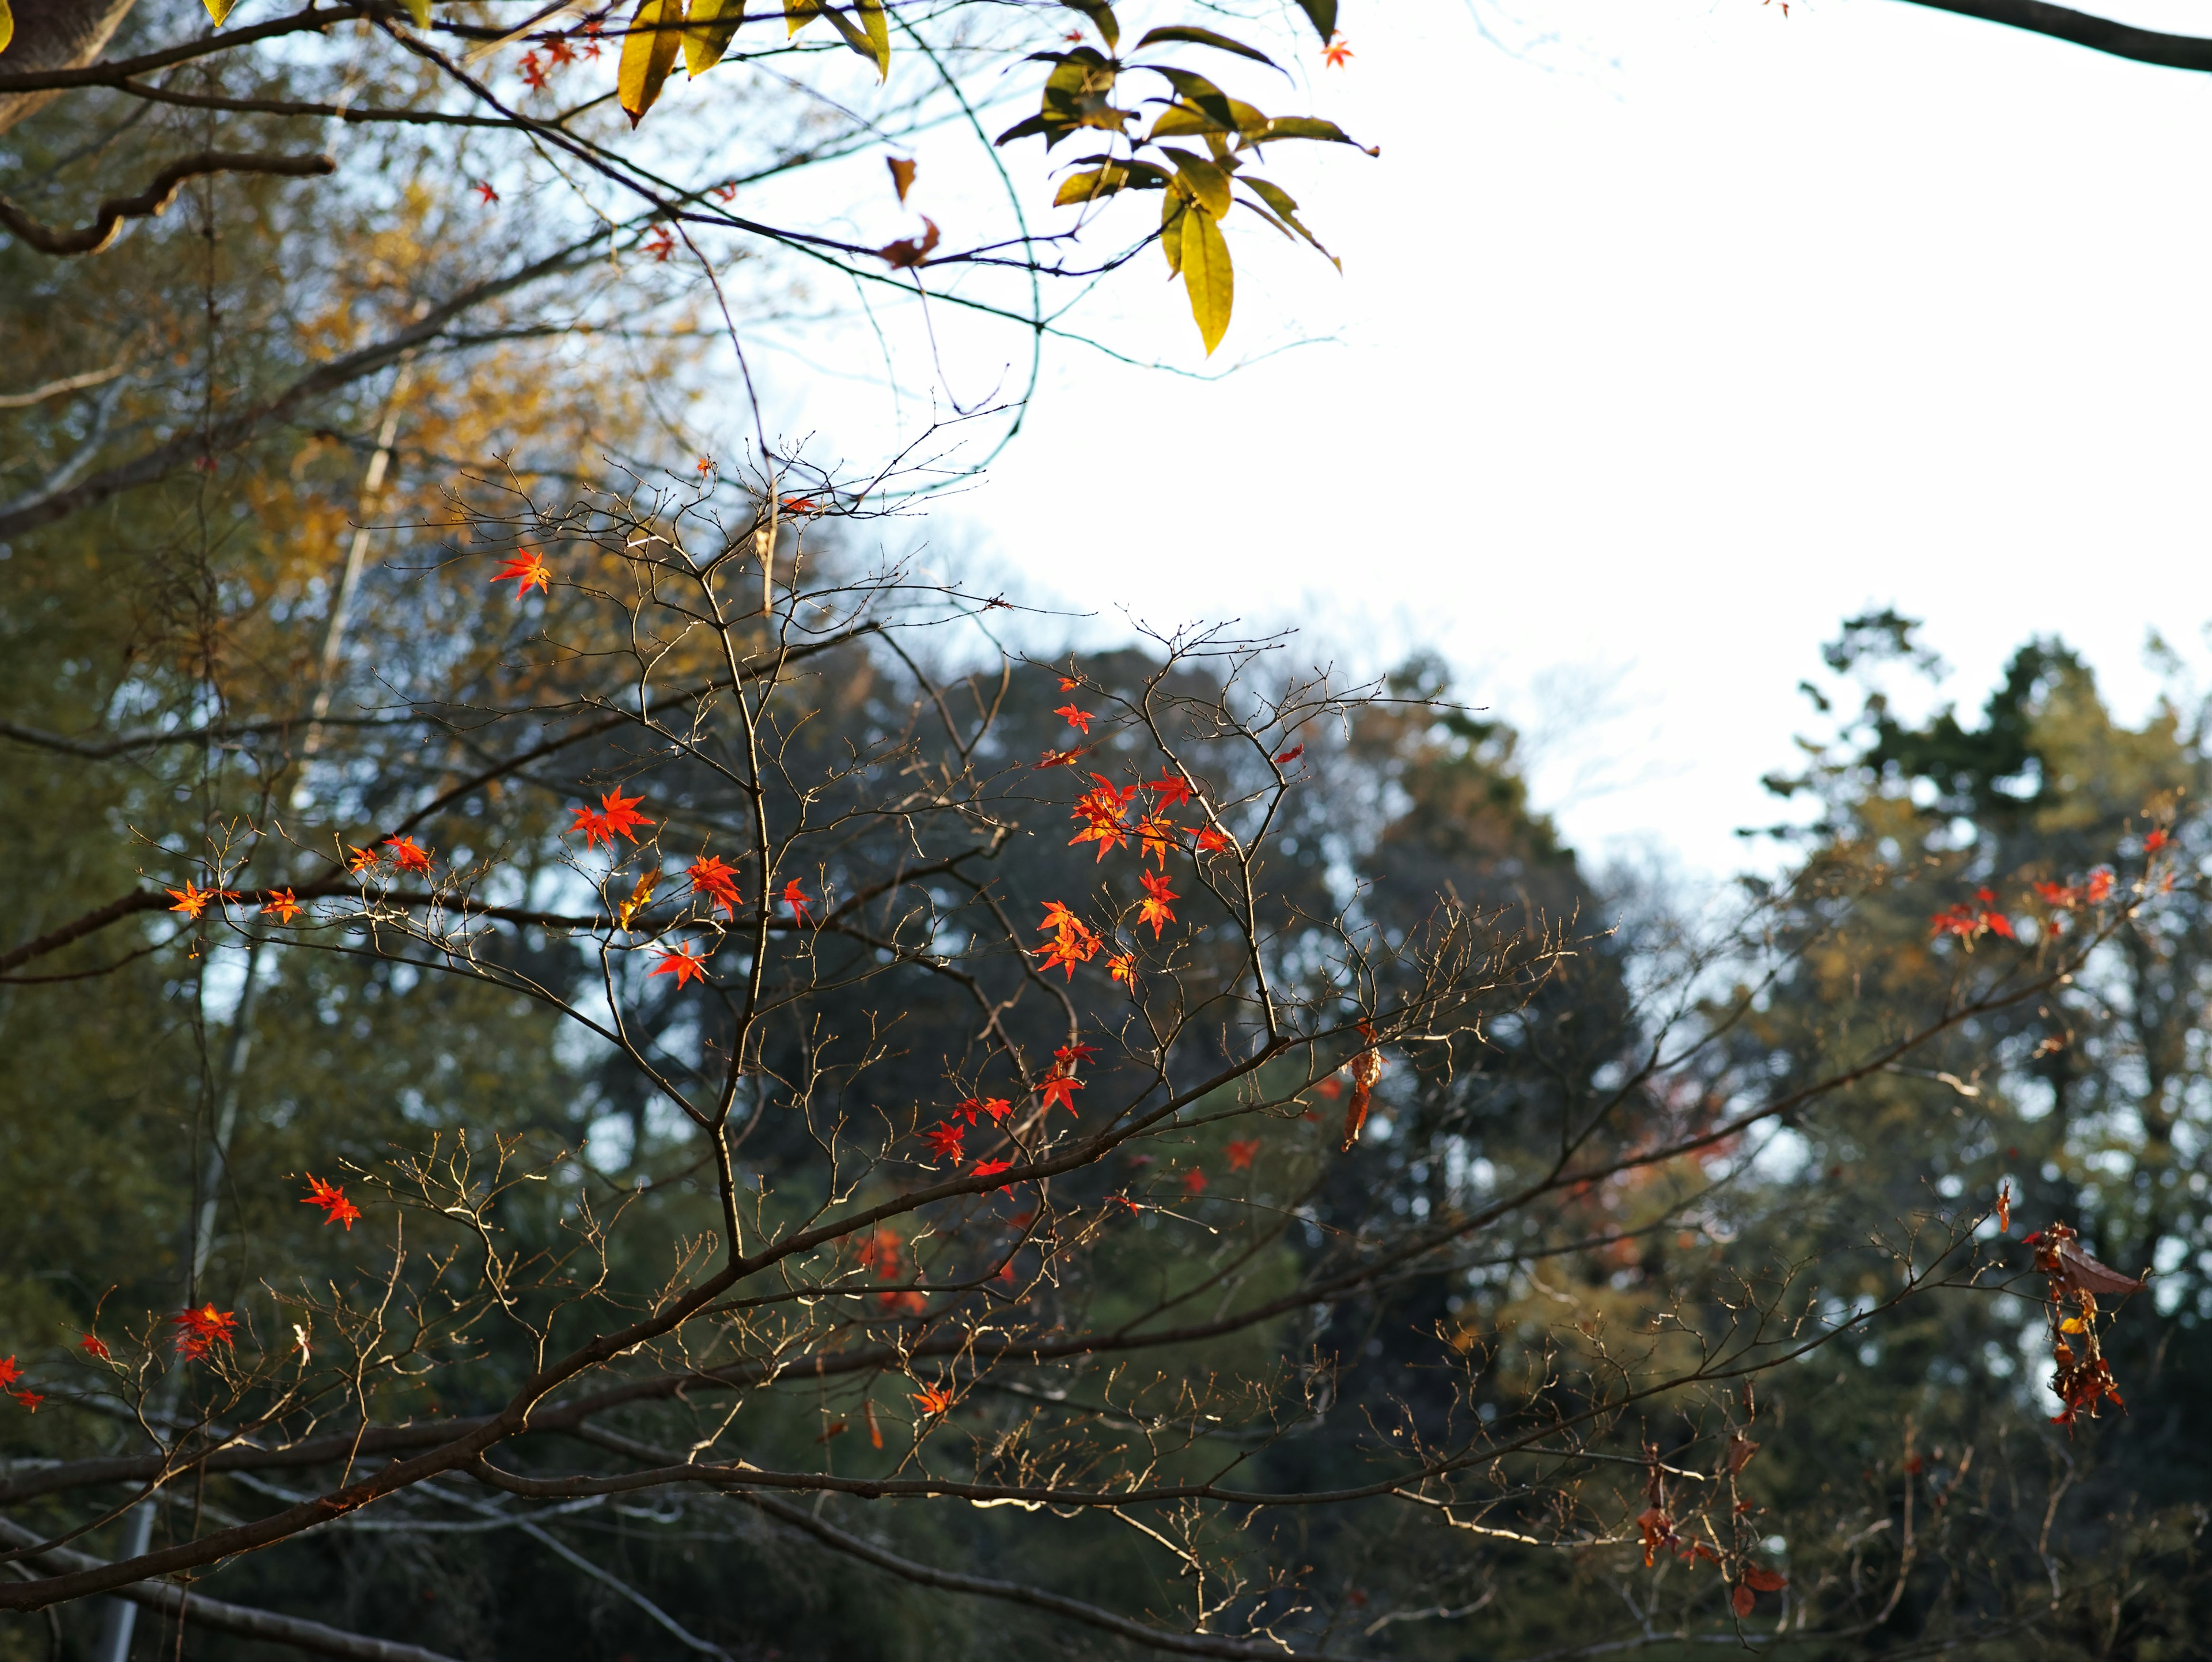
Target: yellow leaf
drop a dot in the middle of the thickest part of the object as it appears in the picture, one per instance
(712, 24)
(420, 11)
(798, 14)
(879, 35)
(7, 25)
(217, 9)
(648, 53)
(2071, 1324)
(1207, 274)
(1171, 213)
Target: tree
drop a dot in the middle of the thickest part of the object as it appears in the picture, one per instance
(1203, 1227)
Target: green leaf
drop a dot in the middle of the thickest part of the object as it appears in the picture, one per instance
(1306, 126)
(1207, 274)
(1208, 185)
(1284, 214)
(1171, 217)
(712, 24)
(1102, 16)
(1197, 89)
(648, 52)
(1188, 121)
(1322, 15)
(1205, 37)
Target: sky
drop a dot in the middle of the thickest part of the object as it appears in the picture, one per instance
(1669, 335)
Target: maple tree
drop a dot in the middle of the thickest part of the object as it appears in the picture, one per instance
(968, 1164)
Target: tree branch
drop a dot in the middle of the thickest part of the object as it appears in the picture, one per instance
(107, 223)
(2080, 28)
(240, 1619)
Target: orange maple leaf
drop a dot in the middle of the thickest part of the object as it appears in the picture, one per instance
(1157, 909)
(934, 1399)
(991, 1168)
(528, 570)
(1337, 53)
(337, 1208)
(1079, 718)
(795, 898)
(1211, 840)
(1158, 836)
(1240, 1152)
(281, 906)
(407, 855)
(192, 899)
(944, 1140)
(1057, 758)
(1173, 790)
(1122, 967)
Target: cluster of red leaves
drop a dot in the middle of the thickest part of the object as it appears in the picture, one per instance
(9, 1374)
(2071, 897)
(1972, 921)
(337, 1208)
(882, 1251)
(559, 54)
(1071, 943)
(200, 1331)
(2083, 1377)
(717, 879)
(615, 816)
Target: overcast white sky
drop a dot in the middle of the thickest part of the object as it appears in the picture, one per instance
(1662, 344)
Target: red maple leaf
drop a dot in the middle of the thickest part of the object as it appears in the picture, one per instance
(1080, 720)
(8, 1372)
(1290, 755)
(363, 860)
(2100, 885)
(880, 1251)
(660, 244)
(1156, 910)
(408, 855)
(682, 963)
(1210, 840)
(997, 1107)
(281, 906)
(991, 1168)
(483, 189)
(1337, 53)
(529, 570)
(91, 1347)
(1172, 788)
(2004, 1209)
(1057, 758)
(1122, 967)
(1240, 1153)
(944, 1140)
(796, 899)
(934, 1399)
(1075, 1053)
(717, 879)
(1060, 1086)
(1193, 1181)
(2155, 840)
(30, 1399)
(337, 1208)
